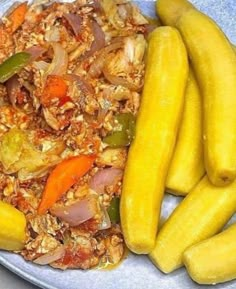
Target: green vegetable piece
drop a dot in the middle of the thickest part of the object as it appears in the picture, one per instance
(13, 65)
(17, 154)
(11, 147)
(124, 131)
(114, 210)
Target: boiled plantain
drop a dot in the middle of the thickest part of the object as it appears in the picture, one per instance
(214, 260)
(216, 77)
(170, 11)
(204, 211)
(187, 164)
(156, 130)
(12, 228)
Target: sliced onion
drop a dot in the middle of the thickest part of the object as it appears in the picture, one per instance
(13, 87)
(98, 42)
(82, 83)
(24, 174)
(30, 87)
(106, 222)
(51, 257)
(105, 177)
(116, 44)
(36, 51)
(41, 65)
(95, 70)
(117, 80)
(96, 67)
(50, 119)
(102, 114)
(125, 11)
(59, 62)
(75, 22)
(78, 212)
(52, 35)
(95, 5)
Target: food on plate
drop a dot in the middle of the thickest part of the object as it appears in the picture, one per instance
(92, 91)
(214, 260)
(13, 65)
(203, 213)
(62, 178)
(123, 131)
(156, 131)
(188, 154)
(217, 81)
(170, 11)
(71, 76)
(217, 78)
(17, 16)
(13, 228)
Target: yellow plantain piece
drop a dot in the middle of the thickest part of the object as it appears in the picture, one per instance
(187, 164)
(213, 260)
(156, 130)
(216, 77)
(12, 228)
(170, 11)
(203, 213)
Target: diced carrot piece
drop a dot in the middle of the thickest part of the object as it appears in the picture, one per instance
(65, 175)
(55, 88)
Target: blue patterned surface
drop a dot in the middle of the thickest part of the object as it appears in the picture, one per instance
(136, 272)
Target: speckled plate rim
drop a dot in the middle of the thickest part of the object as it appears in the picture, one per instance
(146, 275)
(26, 276)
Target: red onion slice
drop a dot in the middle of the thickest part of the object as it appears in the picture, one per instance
(98, 42)
(75, 22)
(83, 84)
(78, 212)
(13, 87)
(105, 177)
(96, 67)
(36, 51)
(117, 80)
(96, 5)
(59, 62)
(51, 257)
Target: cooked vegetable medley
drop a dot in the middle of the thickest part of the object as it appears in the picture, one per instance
(70, 82)
(85, 160)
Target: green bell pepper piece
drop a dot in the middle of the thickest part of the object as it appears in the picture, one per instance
(114, 210)
(124, 131)
(13, 65)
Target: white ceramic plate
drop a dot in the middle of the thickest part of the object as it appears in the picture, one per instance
(136, 272)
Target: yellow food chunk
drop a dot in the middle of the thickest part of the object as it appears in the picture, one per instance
(187, 164)
(203, 213)
(156, 130)
(12, 228)
(216, 77)
(170, 11)
(213, 260)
